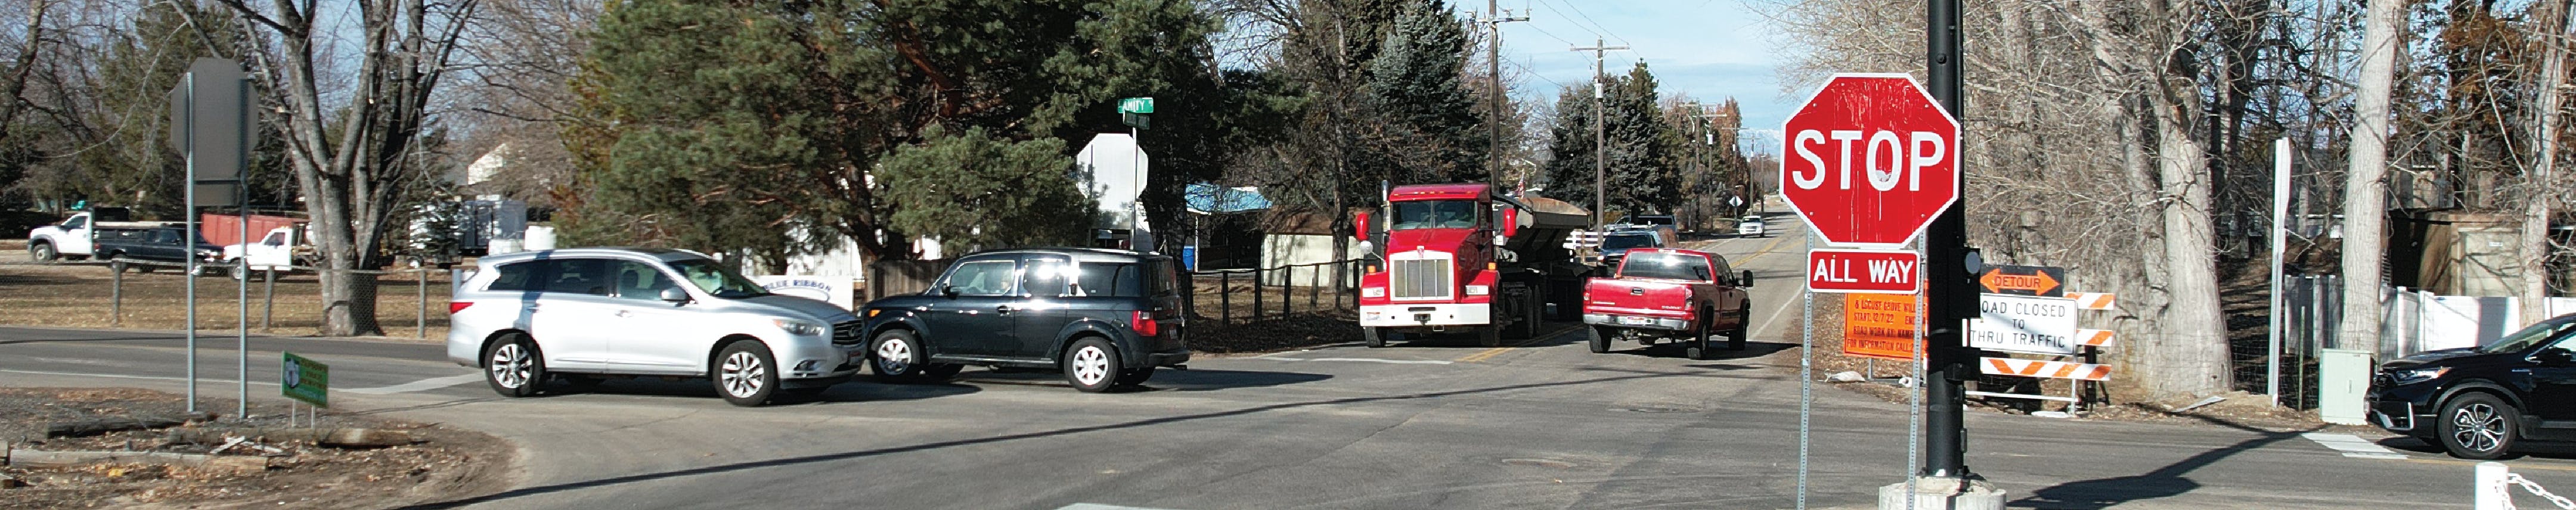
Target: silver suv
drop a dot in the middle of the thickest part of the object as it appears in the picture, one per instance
(579, 315)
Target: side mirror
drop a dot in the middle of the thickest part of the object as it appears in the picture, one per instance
(1747, 282)
(1360, 224)
(675, 295)
(2555, 357)
(948, 290)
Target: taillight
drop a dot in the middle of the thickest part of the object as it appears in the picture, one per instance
(458, 306)
(1143, 323)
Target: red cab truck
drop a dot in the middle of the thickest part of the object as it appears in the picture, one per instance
(1464, 259)
(1670, 294)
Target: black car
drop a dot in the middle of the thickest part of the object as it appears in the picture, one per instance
(2479, 402)
(142, 248)
(1105, 317)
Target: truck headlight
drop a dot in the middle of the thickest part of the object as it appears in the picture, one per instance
(2406, 377)
(1373, 292)
(1479, 290)
(799, 328)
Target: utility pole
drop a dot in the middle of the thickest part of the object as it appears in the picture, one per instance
(1494, 20)
(1600, 143)
(1950, 298)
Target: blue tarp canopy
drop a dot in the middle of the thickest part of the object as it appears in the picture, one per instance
(1205, 198)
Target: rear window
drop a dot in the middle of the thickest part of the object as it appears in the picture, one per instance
(1115, 279)
(1672, 266)
(514, 277)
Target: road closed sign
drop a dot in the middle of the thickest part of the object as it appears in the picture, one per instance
(2037, 325)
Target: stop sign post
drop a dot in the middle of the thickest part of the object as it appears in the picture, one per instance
(1869, 160)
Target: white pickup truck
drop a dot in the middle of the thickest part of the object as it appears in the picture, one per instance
(74, 237)
(281, 250)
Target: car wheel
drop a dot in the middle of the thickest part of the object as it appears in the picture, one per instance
(1135, 376)
(897, 357)
(1601, 339)
(514, 367)
(144, 268)
(1743, 327)
(1701, 345)
(2479, 426)
(43, 252)
(1490, 336)
(1376, 338)
(1091, 365)
(744, 374)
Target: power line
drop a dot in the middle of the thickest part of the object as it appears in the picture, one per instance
(1605, 30)
(1552, 35)
(1570, 19)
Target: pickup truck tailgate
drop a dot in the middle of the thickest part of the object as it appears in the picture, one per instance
(1627, 296)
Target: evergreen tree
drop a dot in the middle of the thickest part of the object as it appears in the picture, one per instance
(1426, 125)
(1641, 175)
(957, 184)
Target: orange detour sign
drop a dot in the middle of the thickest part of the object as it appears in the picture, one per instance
(1879, 326)
(2048, 369)
(2043, 281)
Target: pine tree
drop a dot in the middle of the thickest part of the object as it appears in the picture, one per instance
(1427, 126)
(1642, 175)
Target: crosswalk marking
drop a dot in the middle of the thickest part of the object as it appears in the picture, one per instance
(2353, 446)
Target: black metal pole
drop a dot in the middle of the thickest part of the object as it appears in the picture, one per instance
(1951, 294)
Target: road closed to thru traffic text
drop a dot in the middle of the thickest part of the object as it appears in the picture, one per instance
(2038, 325)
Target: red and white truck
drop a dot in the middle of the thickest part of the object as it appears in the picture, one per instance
(1462, 258)
(1687, 296)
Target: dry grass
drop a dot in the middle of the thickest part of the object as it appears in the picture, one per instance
(78, 296)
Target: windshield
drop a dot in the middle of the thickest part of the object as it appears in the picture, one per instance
(2531, 336)
(1435, 214)
(1671, 266)
(714, 278)
(1627, 241)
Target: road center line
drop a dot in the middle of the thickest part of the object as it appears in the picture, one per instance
(2353, 446)
(420, 385)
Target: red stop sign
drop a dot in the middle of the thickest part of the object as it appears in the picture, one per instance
(1869, 160)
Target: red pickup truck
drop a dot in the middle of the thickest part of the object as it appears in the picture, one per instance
(1672, 294)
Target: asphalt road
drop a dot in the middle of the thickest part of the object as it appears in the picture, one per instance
(1423, 425)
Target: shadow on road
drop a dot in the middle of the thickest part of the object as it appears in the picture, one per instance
(1164, 380)
(1674, 350)
(2164, 482)
(861, 454)
(855, 391)
(2554, 451)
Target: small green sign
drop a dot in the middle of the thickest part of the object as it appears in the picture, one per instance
(306, 380)
(1136, 105)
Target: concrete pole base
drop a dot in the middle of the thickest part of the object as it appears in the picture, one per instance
(1942, 493)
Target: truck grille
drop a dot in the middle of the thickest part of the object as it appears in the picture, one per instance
(1421, 278)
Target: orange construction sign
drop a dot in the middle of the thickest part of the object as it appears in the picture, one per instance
(2038, 283)
(1879, 326)
(2048, 369)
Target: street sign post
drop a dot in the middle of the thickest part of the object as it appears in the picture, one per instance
(1879, 326)
(2037, 325)
(1869, 160)
(2043, 281)
(1873, 271)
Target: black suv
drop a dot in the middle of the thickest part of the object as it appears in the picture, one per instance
(1104, 317)
(2478, 402)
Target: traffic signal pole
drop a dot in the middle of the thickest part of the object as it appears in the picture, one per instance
(1952, 293)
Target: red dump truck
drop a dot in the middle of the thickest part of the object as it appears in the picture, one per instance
(1464, 259)
(226, 229)
(1685, 296)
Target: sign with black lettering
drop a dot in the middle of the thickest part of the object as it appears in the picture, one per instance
(2038, 325)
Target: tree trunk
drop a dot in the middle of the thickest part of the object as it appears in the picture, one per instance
(2539, 190)
(2193, 349)
(2364, 208)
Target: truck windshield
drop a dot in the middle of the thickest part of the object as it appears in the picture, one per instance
(714, 278)
(1435, 214)
(1627, 241)
(1671, 266)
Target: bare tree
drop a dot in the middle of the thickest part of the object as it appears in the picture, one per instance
(2365, 183)
(354, 175)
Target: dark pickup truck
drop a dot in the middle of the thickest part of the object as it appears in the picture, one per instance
(145, 248)
(1667, 293)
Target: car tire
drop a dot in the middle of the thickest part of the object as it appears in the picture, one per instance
(43, 252)
(1530, 321)
(514, 367)
(1743, 329)
(1091, 365)
(1490, 336)
(744, 374)
(2479, 426)
(1376, 338)
(896, 356)
(1601, 339)
(1135, 376)
(1700, 346)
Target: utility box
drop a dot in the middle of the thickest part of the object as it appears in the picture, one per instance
(2343, 380)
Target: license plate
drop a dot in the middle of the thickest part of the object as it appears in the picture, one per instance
(1635, 321)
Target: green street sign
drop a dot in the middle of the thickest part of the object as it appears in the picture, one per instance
(1136, 105)
(306, 380)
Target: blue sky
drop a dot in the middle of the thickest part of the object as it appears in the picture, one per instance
(1710, 49)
